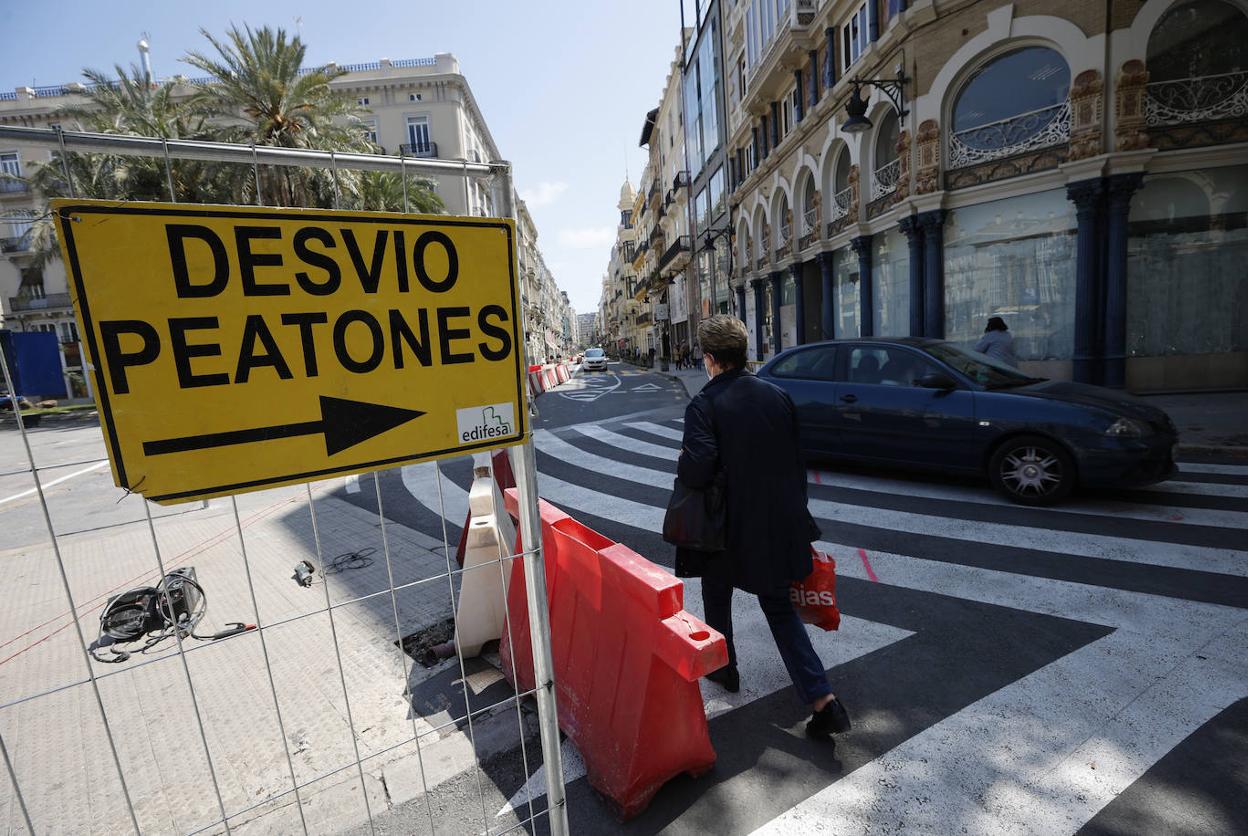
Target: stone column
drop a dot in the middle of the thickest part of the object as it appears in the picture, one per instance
(827, 305)
(799, 100)
(799, 302)
(866, 288)
(740, 290)
(933, 224)
(813, 85)
(1087, 197)
(777, 295)
(914, 237)
(757, 285)
(1121, 188)
(829, 60)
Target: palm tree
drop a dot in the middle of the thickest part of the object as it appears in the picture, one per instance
(383, 192)
(260, 93)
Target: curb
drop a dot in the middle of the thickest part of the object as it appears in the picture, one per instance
(1228, 451)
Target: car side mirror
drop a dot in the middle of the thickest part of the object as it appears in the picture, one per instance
(937, 380)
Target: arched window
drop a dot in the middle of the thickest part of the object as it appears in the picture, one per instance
(809, 211)
(1015, 103)
(1198, 64)
(838, 207)
(887, 165)
(782, 222)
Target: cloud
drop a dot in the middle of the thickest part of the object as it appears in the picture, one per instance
(587, 237)
(544, 193)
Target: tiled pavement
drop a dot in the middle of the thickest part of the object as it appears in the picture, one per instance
(57, 741)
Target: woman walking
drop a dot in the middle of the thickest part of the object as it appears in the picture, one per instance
(747, 428)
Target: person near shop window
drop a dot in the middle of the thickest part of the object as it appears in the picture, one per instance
(997, 342)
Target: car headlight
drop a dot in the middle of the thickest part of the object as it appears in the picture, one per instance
(1128, 428)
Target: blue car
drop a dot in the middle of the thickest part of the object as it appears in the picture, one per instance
(930, 404)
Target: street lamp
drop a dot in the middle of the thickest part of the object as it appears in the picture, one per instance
(708, 243)
(856, 107)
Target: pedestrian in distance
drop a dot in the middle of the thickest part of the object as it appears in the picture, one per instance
(697, 353)
(746, 428)
(997, 342)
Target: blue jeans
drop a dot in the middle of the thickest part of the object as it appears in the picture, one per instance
(787, 629)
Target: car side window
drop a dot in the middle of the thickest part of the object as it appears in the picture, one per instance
(812, 364)
(884, 366)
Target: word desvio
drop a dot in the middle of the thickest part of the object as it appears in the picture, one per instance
(325, 262)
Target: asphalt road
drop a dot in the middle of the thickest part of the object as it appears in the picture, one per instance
(1080, 669)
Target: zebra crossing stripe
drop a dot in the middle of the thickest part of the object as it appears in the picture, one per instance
(1070, 737)
(1021, 758)
(657, 429)
(1174, 555)
(1220, 469)
(625, 442)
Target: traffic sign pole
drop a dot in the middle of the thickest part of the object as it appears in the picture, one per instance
(524, 463)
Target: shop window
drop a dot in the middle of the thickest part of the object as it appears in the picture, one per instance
(890, 275)
(1013, 258)
(1187, 292)
(1015, 103)
(845, 280)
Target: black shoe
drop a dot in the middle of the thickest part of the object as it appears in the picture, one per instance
(728, 678)
(829, 720)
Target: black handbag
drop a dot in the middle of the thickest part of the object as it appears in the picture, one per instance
(696, 519)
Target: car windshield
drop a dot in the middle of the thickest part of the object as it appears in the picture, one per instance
(989, 373)
(593, 353)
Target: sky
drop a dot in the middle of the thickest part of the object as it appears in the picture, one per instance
(564, 86)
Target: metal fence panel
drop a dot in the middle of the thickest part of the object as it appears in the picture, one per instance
(244, 733)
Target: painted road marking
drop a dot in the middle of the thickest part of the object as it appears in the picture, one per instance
(54, 482)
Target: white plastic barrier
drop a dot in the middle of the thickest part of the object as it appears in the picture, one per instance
(480, 613)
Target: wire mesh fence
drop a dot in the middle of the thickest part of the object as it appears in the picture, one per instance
(316, 719)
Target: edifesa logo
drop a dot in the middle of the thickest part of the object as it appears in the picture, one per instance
(811, 597)
(485, 423)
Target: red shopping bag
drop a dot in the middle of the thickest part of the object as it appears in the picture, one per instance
(815, 597)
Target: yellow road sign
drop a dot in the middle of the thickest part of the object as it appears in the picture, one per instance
(239, 348)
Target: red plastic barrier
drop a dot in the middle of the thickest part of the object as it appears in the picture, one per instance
(537, 382)
(627, 660)
(561, 372)
(551, 378)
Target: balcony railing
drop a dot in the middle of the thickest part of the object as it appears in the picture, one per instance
(884, 179)
(680, 245)
(8, 186)
(419, 149)
(838, 209)
(19, 244)
(681, 180)
(38, 303)
(1199, 99)
(1029, 131)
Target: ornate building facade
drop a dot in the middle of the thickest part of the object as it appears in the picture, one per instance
(1078, 169)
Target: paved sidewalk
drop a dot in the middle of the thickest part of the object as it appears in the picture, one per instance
(1208, 422)
(57, 741)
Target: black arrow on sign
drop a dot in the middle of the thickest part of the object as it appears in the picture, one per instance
(344, 424)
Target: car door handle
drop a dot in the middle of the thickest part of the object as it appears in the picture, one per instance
(849, 398)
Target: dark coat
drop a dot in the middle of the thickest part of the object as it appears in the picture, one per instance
(749, 427)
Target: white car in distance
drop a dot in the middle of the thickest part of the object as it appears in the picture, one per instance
(595, 360)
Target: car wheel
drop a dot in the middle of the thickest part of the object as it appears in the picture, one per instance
(1032, 470)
